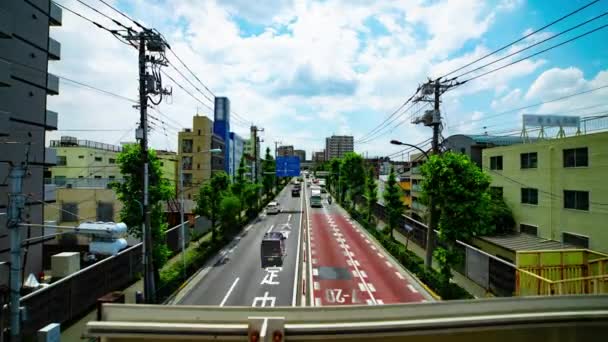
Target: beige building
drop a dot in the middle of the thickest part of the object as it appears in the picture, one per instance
(193, 146)
(84, 202)
(337, 146)
(556, 188)
(169, 165)
(77, 159)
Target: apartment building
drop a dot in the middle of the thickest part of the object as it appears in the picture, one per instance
(284, 151)
(193, 153)
(318, 157)
(301, 154)
(25, 52)
(337, 146)
(556, 188)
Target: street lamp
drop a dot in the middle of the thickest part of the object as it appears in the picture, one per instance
(181, 209)
(432, 220)
(397, 142)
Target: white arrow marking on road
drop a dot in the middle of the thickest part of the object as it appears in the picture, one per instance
(229, 292)
(270, 229)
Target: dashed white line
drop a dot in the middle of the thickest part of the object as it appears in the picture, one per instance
(370, 302)
(380, 301)
(399, 275)
(318, 302)
(362, 287)
(314, 261)
(388, 263)
(373, 247)
(315, 272)
(371, 287)
(412, 288)
(269, 229)
(317, 285)
(366, 240)
(288, 217)
(380, 254)
(363, 274)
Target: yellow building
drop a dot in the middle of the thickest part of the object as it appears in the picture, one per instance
(84, 203)
(83, 159)
(168, 165)
(192, 145)
(556, 188)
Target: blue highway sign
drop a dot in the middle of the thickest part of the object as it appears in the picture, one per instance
(288, 166)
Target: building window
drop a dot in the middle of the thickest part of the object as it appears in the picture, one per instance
(198, 149)
(198, 166)
(187, 146)
(529, 196)
(98, 159)
(61, 161)
(576, 157)
(105, 211)
(528, 229)
(496, 163)
(496, 191)
(529, 160)
(111, 177)
(111, 160)
(187, 179)
(186, 163)
(199, 132)
(69, 212)
(575, 239)
(576, 200)
(80, 157)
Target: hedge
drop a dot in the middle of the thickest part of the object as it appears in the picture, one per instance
(413, 262)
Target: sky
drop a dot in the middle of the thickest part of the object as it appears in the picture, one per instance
(304, 70)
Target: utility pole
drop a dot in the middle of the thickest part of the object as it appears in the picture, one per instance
(13, 222)
(432, 118)
(254, 132)
(149, 41)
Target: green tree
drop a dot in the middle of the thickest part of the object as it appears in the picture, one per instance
(229, 213)
(268, 167)
(392, 202)
(334, 169)
(251, 197)
(210, 196)
(460, 190)
(238, 186)
(501, 216)
(353, 173)
(130, 193)
(371, 193)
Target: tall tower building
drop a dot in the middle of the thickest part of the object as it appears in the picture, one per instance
(337, 146)
(221, 127)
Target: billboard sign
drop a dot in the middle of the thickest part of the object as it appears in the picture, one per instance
(551, 120)
(288, 166)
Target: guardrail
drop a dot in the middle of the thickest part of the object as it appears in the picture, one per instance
(506, 319)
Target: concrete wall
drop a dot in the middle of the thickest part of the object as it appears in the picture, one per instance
(551, 178)
(25, 51)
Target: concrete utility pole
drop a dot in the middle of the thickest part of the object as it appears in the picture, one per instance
(15, 206)
(432, 118)
(254, 131)
(149, 42)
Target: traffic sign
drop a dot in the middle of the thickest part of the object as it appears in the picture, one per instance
(288, 166)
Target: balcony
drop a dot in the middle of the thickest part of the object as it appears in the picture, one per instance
(82, 183)
(5, 74)
(55, 15)
(6, 25)
(52, 85)
(50, 192)
(54, 50)
(51, 120)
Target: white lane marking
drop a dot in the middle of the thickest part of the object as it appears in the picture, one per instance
(312, 252)
(362, 287)
(345, 246)
(315, 272)
(399, 275)
(248, 227)
(380, 301)
(363, 274)
(380, 254)
(373, 247)
(388, 263)
(366, 240)
(317, 285)
(370, 302)
(353, 263)
(371, 287)
(311, 293)
(263, 300)
(314, 261)
(318, 302)
(288, 218)
(312, 245)
(270, 229)
(229, 292)
(412, 288)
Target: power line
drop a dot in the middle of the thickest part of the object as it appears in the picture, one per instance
(73, 81)
(390, 116)
(533, 45)
(105, 15)
(535, 54)
(186, 91)
(522, 38)
(192, 84)
(191, 72)
(379, 133)
(124, 15)
(536, 104)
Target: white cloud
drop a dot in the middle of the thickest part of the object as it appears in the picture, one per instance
(511, 99)
(556, 82)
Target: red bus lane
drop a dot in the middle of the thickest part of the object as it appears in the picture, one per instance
(336, 280)
(387, 283)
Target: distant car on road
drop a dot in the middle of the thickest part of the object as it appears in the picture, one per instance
(272, 250)
(315, 198)
(295, 192)
(273, 208)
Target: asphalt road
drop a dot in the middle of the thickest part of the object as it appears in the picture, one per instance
(238, 279)
(348, 268)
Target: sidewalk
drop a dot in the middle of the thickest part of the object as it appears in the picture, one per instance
(458, 278)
